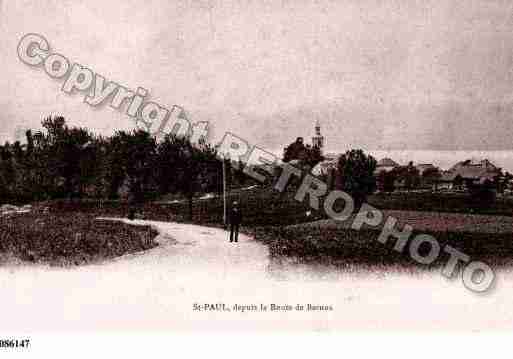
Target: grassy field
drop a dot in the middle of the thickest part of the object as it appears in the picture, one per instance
(440, 202)
(431, 222)
(345, 247)
(263, 206)
(290, 228)
(260, 207)
(69, 239)
(282, 223)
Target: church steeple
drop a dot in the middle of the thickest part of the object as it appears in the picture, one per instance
(318, 139)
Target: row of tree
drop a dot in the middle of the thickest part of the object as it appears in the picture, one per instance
(71, 162)
(407, 176)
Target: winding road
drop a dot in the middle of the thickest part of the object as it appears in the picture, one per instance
(158, 290)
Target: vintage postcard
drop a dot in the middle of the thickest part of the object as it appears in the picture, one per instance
(255, 166)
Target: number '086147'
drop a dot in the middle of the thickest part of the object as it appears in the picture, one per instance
(14, 343)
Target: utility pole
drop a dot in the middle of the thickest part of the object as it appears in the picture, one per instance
(224, 191)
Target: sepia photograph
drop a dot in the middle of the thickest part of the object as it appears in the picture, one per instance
(255, 167)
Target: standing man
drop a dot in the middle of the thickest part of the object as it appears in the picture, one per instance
(235, 220)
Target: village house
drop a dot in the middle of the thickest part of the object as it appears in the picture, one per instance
(386, 164)
(423, 167)
(466, 173)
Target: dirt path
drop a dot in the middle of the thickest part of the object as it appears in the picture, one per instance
(156, 290)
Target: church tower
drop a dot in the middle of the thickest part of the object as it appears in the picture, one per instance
(318, 139)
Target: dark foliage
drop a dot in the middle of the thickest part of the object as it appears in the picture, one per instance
(355, 175)
(385, 181)
(408, 176)
(483, 195)
(430, 177)
(70, 238)
(70, 162)
(347, 246)
(305, 154)
(441, 202)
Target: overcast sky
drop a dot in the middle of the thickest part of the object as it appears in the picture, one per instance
(382, 75)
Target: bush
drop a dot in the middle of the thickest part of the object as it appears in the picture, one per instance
(74, 238)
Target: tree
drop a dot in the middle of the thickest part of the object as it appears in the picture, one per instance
(169, 164)
(7, 173)
(385, 181)
(484, 194)
(408, 175)
(198, 161)
(66, 155)
(188, 168)
(132, 157)
(313, 156)
(502, 180)
(355, 175)
(307, 155)
(458, 182)
(431, 176)
(295, 151)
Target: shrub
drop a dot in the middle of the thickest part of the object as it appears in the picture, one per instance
(75, 238)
